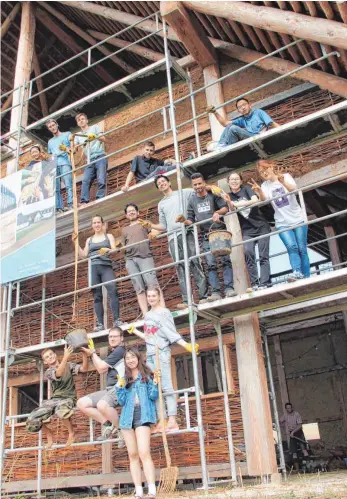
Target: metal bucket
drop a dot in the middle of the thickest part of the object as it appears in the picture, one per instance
(220, 242)
(77, 338)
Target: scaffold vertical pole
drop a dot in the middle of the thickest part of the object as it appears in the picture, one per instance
(39, 453)
(187, 273)
(218, 328)
(195, 122)
(5, 380)
(274, 407)
(22, 99)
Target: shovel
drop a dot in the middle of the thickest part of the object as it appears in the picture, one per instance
(168, 475)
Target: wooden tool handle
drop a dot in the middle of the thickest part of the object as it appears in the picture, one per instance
(161, 409)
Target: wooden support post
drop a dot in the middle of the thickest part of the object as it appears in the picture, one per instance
(8, 21)
(229, 371)
(39, 83)
(22, 73)
(255, 403)
(335, 256)
(214, 97)
(107, 447)
(190, 32)
(280, 371)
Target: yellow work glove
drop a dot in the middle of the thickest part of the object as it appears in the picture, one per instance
(189, 348)
(217, 191)
(131, 329)
(63, 147)
(156, 376)
(91, 344)
(210, 109)
(120, 382)
(146, 224)
(91, 136)
(103, 251)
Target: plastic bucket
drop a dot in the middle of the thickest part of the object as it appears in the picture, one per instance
(220, 242)
(77, 338)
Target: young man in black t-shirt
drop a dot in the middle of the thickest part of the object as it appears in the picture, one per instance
(146, 166)
(203, 205)
(101, 405)
(253, 224)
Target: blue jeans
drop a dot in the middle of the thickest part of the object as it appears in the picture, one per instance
(65, 171)
(232, 134)
(212, 269)
(166, 382)
(295, 240)
(98, 171)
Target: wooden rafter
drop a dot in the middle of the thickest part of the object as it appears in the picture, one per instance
(190, 32)
(8, 21)
(39, 83)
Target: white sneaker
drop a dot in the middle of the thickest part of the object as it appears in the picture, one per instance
(295, 276)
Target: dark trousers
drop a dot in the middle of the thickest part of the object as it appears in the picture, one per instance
(103, 273)
(213, 278)
(250, 257)
(95, 171)
(294, 444)
(195, 267)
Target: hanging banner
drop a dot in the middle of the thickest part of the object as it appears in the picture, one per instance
(27, 218)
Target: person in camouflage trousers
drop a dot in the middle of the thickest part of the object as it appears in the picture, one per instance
(64, 397)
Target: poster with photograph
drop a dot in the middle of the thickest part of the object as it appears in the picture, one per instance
(27, 217)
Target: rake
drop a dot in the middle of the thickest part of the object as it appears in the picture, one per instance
(169, 475)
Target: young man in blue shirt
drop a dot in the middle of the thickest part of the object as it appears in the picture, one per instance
(58, 147)
(251, 122)
(94, 151)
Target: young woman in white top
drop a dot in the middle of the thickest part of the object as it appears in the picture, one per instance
(288, 214)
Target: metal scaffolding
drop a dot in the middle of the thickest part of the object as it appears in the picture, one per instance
(213, 312)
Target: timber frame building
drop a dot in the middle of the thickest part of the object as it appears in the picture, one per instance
(147, 71)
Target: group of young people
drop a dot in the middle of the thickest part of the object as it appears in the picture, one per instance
(129, 402)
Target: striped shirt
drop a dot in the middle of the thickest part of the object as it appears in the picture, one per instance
(291, 420)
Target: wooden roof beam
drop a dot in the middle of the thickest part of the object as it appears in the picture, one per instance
(70, 42)
(189, 32)
(89, 39)
(8, 21)
(298, 25)
(329, 82)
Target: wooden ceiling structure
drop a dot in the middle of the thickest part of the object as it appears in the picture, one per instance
(65, 28)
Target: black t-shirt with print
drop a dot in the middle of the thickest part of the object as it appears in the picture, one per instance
(202, 208)
(251, 219)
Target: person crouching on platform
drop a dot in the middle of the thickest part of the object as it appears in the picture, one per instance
(253, 224)
(137, 393)
(101, 405)
(159, 329)
(63, 399)
(94, 151)
(288, 214)
(97, 248)
(250, 123)
(147, 166)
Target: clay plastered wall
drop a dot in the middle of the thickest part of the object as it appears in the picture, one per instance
(320, 397)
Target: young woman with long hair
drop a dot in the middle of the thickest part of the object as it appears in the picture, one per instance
(137, 394)
(288, 214)
(97, 248)
(159, 329)
(253, 224)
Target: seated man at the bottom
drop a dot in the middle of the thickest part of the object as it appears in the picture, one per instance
(63, 399)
